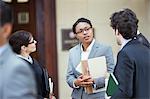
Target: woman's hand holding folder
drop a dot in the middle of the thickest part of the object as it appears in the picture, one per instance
(84, 81)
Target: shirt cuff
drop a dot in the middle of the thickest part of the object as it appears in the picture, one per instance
(75, 85)
(94, 86)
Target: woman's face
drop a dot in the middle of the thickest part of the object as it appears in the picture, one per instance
(31, 46)
(84, 33)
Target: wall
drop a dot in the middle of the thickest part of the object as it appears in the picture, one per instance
(98, 11)
(148, 18)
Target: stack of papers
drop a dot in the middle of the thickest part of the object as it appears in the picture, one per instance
(97, 67)
(50, 85)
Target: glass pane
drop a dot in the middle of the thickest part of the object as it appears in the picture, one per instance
(22, 1)
(7, 0)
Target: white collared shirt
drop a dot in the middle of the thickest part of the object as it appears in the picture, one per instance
(29, 59)
(85, 54)
(138, 32)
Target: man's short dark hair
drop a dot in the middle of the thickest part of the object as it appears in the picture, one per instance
(78, 21)
(5, 13)
(126, 22)
(18, 39)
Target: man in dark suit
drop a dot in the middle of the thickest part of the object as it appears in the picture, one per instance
(133, 60)
(141, 38)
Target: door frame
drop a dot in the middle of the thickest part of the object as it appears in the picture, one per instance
(46, 34)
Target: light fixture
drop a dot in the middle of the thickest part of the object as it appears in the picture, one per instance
(7, 1)
(22, 1)
(19, 1)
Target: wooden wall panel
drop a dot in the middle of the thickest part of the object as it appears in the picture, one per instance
(46, 31)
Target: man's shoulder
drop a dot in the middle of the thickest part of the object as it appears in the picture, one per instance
(133, 47)
(133, 44)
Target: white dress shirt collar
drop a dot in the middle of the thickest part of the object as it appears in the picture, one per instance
(85, 54)
(29, 59)
(138, 32)
(89, 47)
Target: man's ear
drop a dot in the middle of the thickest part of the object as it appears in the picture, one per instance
(23, 48)
(116, 32)
(6, 30)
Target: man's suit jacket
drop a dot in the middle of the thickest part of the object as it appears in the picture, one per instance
(133, 71)
(75, 58)
(16, 77)
(141, 38)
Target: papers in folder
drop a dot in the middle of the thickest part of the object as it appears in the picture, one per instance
(97, 67)
(51, 85)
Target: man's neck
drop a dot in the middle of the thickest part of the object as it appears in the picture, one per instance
(85, 46)
(26, 55)
(124, 42)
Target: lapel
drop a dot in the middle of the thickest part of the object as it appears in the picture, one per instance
(91, 55)
(94, 50)
(78, 54)
(77, 59)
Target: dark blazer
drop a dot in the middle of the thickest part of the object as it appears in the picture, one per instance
(141, 38)
(133, 72)
(41, 79)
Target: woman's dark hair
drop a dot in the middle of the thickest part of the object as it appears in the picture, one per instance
(78, 21)
(18, 39)
(126, 22)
